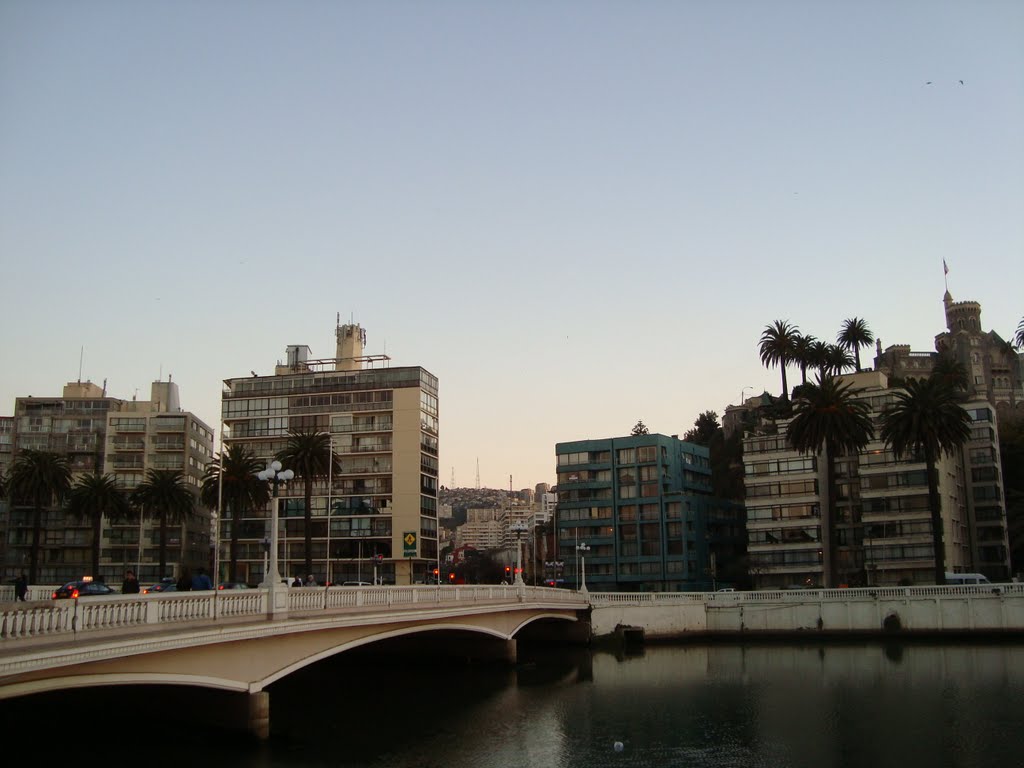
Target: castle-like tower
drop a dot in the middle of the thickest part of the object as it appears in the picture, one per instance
(351, 340)
(992, 365)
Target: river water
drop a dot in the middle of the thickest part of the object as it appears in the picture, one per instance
(820, 706)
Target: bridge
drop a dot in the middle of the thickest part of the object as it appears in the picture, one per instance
(241, 642)
(233, 641)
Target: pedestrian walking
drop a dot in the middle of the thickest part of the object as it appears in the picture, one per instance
(130, 585)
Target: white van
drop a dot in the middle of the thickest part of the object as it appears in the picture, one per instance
(954, 579)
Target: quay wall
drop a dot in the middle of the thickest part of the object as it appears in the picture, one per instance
(989, 609)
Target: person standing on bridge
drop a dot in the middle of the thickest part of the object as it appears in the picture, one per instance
(21, 587)
(130, 585)
(201, 581)
(310, 581)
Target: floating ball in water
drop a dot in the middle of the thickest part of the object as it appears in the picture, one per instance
(618, 746)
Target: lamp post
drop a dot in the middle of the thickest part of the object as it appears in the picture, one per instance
(277, 593)
(519, 528)
(582, 548)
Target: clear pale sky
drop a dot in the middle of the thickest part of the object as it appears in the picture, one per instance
(575, 214)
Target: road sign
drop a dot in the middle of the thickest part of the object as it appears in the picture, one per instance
(409, 544)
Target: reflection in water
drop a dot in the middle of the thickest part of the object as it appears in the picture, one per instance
(776, 706)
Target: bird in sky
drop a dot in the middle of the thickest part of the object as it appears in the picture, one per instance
(928, 83)
(961, 82)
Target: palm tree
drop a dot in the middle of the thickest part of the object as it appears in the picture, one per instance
(778, 347)
(829, 416)
(926, 418)
(309, 456)
(837, 359)
(804, 355)
(39, 478)
(242, 491)
(94, 497)
(853, 335)
(818, 355)
(1019, 338)
(951, 372)
(164, 495)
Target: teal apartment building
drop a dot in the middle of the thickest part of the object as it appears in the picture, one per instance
(636, 513)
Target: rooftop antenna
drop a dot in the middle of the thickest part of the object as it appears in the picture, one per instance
(478, 473)
(453, 476)
(104, 387)
(81, 354)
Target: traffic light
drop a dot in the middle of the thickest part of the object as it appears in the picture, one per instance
(451, 577)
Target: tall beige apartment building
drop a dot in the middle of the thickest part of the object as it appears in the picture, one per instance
(123, 438)
(882, 516)
(381, 505)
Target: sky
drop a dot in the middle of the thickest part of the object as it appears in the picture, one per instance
(576, 214)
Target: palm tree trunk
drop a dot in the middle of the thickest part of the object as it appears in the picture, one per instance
(856, 355)
(935, 506)
(308, 515)
(37, 527)
(828, 521)
(97, 529)
(236, 520)
(163, 543)
(785, 386)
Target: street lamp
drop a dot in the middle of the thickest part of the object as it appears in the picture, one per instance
(277, 477)
(582, 548)
(519, 528)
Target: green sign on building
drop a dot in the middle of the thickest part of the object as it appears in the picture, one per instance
(409, 544)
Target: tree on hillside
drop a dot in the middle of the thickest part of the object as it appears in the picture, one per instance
(853, 335)
(926, 418)
(640, 429)
(704, 429)
(829, 421)
(778, 347)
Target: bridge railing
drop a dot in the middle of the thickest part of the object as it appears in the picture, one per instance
(801, 595)
(124, 612)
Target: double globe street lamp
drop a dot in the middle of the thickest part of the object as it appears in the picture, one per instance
(519, 528)
(582, 548)
(277, 477)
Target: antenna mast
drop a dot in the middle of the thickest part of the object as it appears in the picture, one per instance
(478, 473)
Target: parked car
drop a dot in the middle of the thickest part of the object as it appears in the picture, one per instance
(232, 585)
(163, 586)
(356, 584)
(82, 588)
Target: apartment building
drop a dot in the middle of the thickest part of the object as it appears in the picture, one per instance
(124, 438)
(642, 505)
(882, 517)
(382, 503)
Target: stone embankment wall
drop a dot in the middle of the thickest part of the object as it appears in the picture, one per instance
(992, 609)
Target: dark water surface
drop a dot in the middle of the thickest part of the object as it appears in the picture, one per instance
(767, 705)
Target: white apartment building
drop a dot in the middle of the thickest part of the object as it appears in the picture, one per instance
(383, 424)
(882, 518)
(123, 438)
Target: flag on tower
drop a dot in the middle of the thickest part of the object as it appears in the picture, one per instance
(945, 269)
